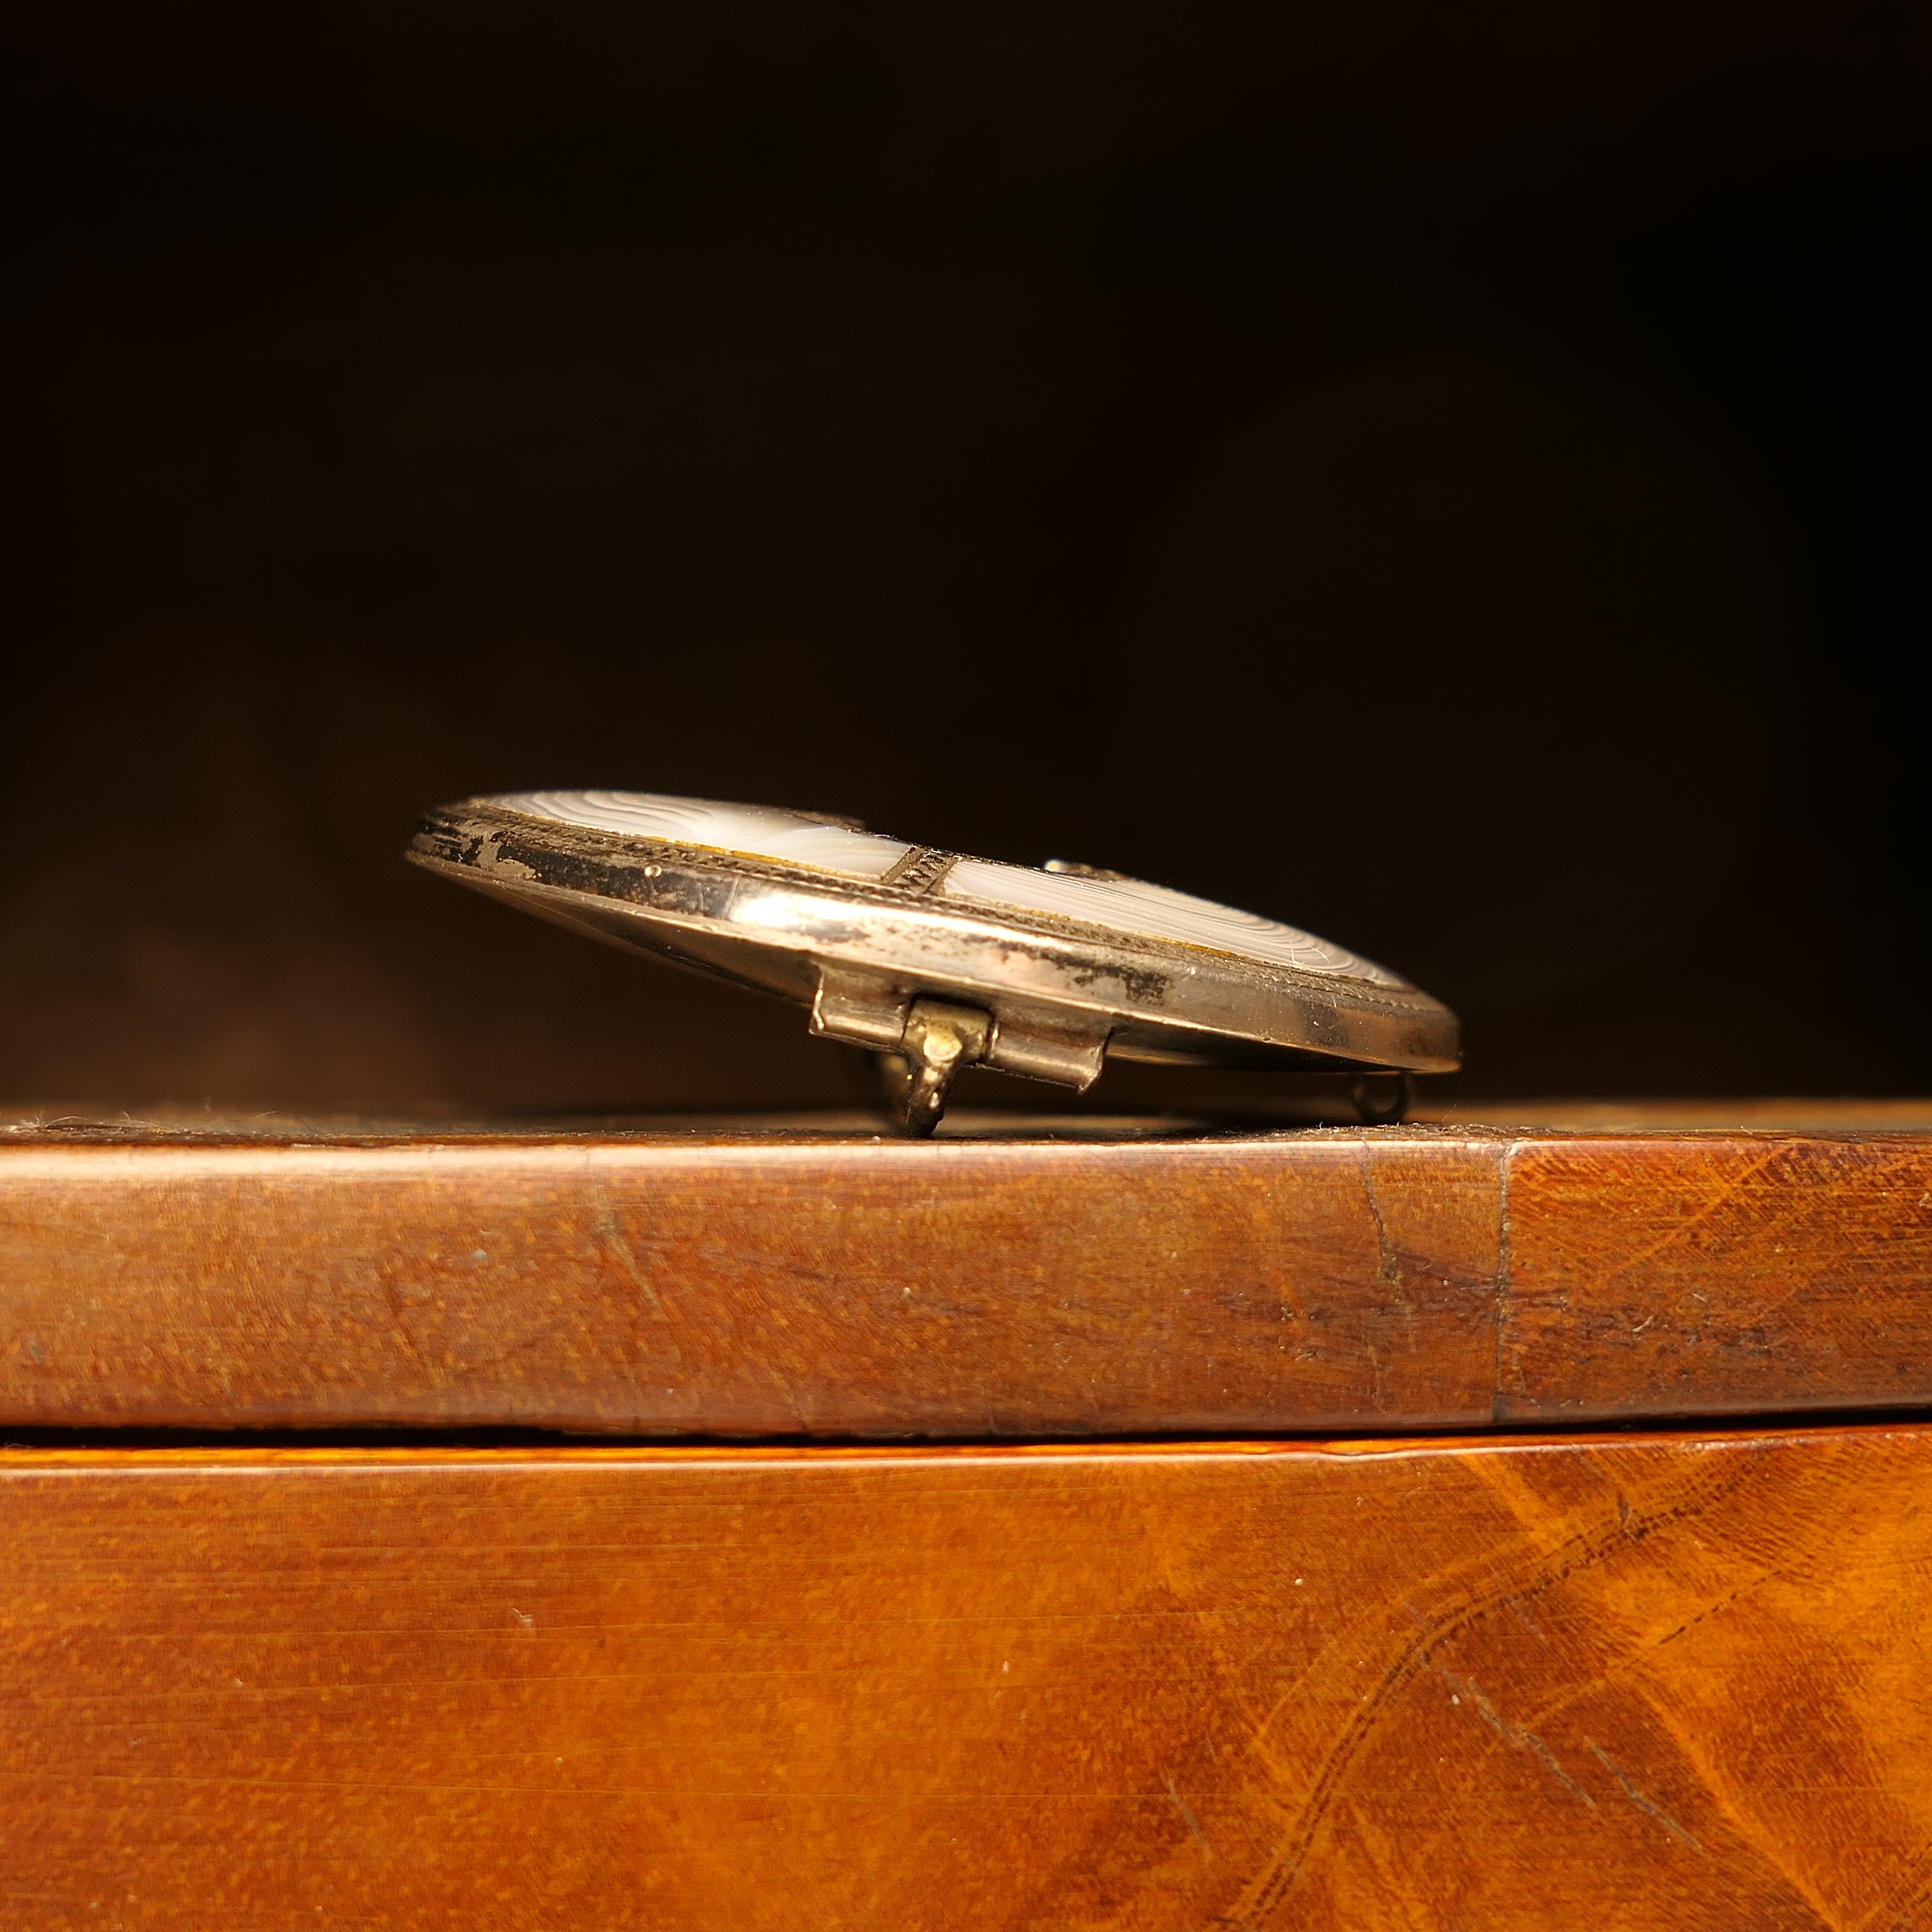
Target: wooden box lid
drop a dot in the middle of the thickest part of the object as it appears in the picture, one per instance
(1015, 1279)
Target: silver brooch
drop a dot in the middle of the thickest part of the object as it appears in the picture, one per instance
(933, 959)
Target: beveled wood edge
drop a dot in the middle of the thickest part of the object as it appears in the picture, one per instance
(1454, 1279)
(1220, 1123)
(59, 1155)
(15, 1460)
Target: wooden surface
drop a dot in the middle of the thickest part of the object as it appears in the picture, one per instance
(791, 1285)
(1647, 1682)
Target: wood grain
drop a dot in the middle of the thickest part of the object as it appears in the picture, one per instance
(1696, 1273)
(1654, 1684)
(784, 1285)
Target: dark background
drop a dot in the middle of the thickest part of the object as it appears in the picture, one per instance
(1449, 477)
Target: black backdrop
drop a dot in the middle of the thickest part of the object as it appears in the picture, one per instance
(1449, 478)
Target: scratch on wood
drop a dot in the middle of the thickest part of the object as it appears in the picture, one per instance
(1388, 1267)
(1188, 1818)
(1643, 1803)
(613, 1236)
(393, 1296)
(1523, 1616)
(1520, 1735)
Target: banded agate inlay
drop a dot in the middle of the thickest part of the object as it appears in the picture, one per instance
(753, 831)
(1134, 906)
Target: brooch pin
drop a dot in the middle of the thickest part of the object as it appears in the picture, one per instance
(934, 960)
